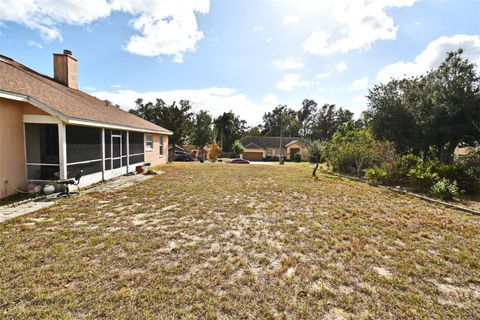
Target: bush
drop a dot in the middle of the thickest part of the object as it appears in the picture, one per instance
(237, 148)
(297, 157)
(445, 189)
(377, 175)
(465, 177)
(407, 162)
(423, 176)
(351, 150)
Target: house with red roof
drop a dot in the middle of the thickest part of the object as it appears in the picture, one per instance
(50, 129)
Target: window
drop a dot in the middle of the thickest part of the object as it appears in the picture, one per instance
(149, 142)
(269, 152)
(161, 146)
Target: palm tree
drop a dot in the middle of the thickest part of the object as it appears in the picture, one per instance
(225, 125)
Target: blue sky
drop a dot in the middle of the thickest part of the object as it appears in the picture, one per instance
(245, 56)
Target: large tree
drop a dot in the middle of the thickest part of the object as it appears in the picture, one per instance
(281, 120)
(176, 117)
(327, 120)
(436, 109)
(203, 133)
(229, 127)
(306, 117)
(389, 119)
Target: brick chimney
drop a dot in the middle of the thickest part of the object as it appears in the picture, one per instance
(65, 69)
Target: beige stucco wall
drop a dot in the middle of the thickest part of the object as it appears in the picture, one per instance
(12, 152)
(153, 155)
(303, 151)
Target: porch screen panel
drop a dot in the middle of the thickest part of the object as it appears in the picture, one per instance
(84, 150)
(124, 148)
(136, 145)
(42, 152)
(108, 149)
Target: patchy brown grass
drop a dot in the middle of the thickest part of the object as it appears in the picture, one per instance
(241, 241)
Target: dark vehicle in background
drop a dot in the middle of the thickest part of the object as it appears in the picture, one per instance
(183, 156)
(238, 161)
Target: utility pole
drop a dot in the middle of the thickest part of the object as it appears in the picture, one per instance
(281, 133)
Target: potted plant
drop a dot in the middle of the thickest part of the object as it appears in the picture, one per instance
(146, 166)
(139, 169)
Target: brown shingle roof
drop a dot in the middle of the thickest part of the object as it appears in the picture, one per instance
(271, 142)
(70, 103)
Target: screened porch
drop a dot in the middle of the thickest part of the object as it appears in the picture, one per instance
(55, 151)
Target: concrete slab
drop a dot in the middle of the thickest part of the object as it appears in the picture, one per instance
(14, 210)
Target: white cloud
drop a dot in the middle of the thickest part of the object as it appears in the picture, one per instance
(290, 20)
(291, 81)
(359, 104)
(215, 100)
(35, 44)
(341, 66)
(268, 40)
(352, 25)
(167, 27)
(270, 99)
(432, 56)
(288, 63)
(257, 29)
(360, 84)
(323, 75)
(46, 15)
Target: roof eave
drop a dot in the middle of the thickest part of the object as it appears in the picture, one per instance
(40, 105)
(24, 98)
(92, 123)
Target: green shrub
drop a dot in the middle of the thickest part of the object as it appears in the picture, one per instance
(297, 157)
(238, 148)
(445, 189)
(423, 176)
(465, 177)
(377, 175)
(407, 162)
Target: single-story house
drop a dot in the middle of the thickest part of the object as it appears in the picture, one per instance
(259, 148)
(49, 128)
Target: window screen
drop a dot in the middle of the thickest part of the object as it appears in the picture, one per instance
(108, 150)
(83, 143)
(42, 152)
(41, 141)
(136, 142)
(88, 168)
(137, 159)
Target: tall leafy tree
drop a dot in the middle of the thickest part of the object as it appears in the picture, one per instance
(202, 132)
(229, 127)
(389, 119)
(176, 117)
(437, 109)
(327, 120)
(282, 118)
(306, 117)
(255, 131)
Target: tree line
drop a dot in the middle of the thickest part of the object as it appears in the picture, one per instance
(431, 113)
(311, 122)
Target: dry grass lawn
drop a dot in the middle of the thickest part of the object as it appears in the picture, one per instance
(241, 241)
